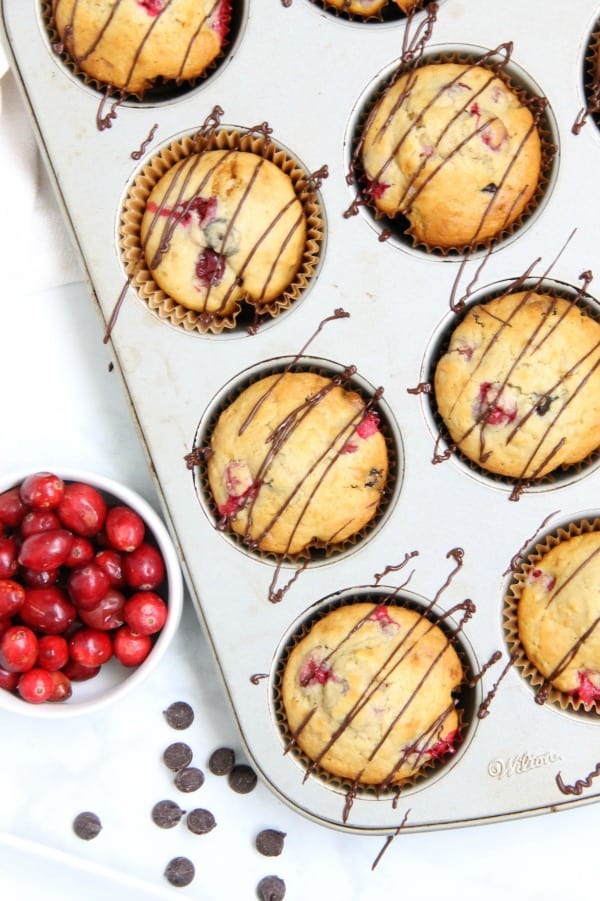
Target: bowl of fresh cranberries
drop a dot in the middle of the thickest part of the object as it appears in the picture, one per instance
(91, 591)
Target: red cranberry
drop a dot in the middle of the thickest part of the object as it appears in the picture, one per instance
(108, 614)
(12, 508)
(46, 550)
(145, 612)
(8, 557)
(62, 686)
(77, 672)
(87, 585)
(53, 652)
(144, 568)
(8, 680)
(90, 647)
(111, 562)
(36, 685)
(12, 596)
(42, 491)
(124, 528)
(18, 649)
(82, 552)
(48, 610)
(38, 521)
(42, 578)
(131, 649)
(82, 509)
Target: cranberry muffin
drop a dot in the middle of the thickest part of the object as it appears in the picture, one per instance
(518, 388)
(454, 150)
(129, 44)
(368, 693)
(297, 461)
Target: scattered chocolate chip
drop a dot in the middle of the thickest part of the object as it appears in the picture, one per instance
(180, 871)
(189, 779)
(200, 821)
(270, 842)
(271, 888)
(87, 825)
(179, 715)
(491, 188)
(167, 814)
(221, 761)
(177, 755)
(242, 778)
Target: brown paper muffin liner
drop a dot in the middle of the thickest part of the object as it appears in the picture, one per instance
(591, 77)
(162, 90)
(319, 552)
(431, 767)
(217, 138)
(445, 447)
(544, 692)
(399, 226)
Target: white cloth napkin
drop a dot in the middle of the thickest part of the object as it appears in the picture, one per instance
(36, 250)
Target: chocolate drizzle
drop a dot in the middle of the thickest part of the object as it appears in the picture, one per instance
(390, 839)
(138, 154)
(580, 784)
(484, 707)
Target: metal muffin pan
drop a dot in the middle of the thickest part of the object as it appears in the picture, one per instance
(303, 71)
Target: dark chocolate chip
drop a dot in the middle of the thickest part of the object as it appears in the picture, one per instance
(167, 814)
(189, 779)
(179, 715)
(177, 755)
(87, 825)
(270, 842)
(200, 821)
(221, 761)
(180, 871)
(271, 888)
(242, 778)
(490, 188)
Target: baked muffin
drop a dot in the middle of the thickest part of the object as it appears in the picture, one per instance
(453, 149)
(519, 386)
(129, 44)
(297, 461)
(368, 693)
(221, 227)
(368, 8)
(558, 615)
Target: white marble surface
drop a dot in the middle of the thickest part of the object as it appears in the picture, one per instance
(61, 405)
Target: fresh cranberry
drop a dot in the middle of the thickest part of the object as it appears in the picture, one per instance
(82, 509)
(131, 649)
(36, 685)
(87, 585)
(53, 652)
(38, 521)
(124, 528)
(18, 649)
(369, 425)
(108, 614)
(42, 491)
(210, 267)
(12, 595)
(82, 551)
(5, 623)
(12, 508)
(8, 680)
(90, 647)
(62, 686)
(144, 568)
(111, 562)
(48, 610)
(39, 578)
(77, 672)
(8, 557)
(46, 550)
(145, 612)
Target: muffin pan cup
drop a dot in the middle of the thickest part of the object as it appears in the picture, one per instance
(303, 71)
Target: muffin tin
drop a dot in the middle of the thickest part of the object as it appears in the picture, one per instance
(448, 534)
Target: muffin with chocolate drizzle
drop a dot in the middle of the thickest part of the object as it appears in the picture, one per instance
(130, 44)
(221, 227)
(454, 150)
(296, 461)
(368, 8)
(518, 388)
(368, 693)
(558, 615)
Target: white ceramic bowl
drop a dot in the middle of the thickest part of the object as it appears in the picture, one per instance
(114, 680)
